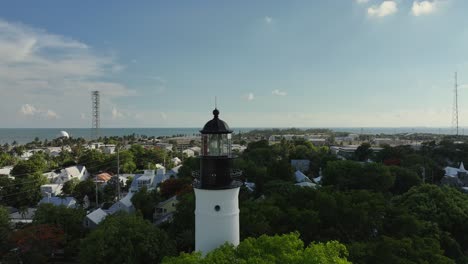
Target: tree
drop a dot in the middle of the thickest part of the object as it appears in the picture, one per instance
(363, 152)
(444, 206)
(36, 163)
(404, 179)
(346, 175)
(172, 187)
(183, 224)
(70, 220)
(124, 238)
(69, 186)
(4, 229)
(6, 159)
(145, 202)
(26, 191)
(269, 249)
(85, 188)
(37, 243)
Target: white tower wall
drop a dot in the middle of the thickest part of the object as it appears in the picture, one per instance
(213, 228)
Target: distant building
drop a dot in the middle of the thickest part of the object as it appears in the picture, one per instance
(456, 177)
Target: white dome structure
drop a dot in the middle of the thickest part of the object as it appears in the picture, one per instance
(63, 134)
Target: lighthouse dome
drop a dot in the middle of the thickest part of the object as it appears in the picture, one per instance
(216, 125)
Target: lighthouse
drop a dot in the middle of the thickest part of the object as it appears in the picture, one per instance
(216, 190)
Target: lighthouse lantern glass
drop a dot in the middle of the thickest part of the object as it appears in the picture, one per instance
(216, 145)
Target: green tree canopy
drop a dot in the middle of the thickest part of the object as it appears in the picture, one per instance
(286, 248)
(352, 175)
(124, 238)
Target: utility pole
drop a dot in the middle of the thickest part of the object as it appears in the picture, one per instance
(118, 173)
(455, 107)
(97, 191)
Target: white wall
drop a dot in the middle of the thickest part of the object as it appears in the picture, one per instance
(214, 228)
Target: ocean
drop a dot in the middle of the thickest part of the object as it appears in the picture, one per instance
(25, 135)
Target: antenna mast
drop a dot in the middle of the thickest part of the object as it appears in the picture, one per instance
(95, 112)
(455, 107)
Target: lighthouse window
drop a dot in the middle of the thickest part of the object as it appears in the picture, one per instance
(217, 208)
(216, 145)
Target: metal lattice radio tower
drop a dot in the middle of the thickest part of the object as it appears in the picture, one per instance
(455, 108)
(95, 113)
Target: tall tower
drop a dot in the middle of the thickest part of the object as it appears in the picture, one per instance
(95, 112)
(455, 107)
(216, 191)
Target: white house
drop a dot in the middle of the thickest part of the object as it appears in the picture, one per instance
(74, 172)
(108, 149)
(51, 189)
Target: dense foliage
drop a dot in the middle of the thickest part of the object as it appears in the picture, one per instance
(123, 238)
(286, 248)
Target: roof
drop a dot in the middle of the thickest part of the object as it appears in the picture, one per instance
(176, 160)
(144, 178)
(6, 170)
(306, 184)
(74, 171)
(216, 125)
(451, 171)
(175, 170)
(103, 177)
(462, 168)
(127, 200)
(97, 216)
(57, 201)
(300, 177)
(172, 199)
(250, 186)
(28, 214)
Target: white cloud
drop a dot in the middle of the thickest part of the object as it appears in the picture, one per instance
(249, 97)
(384, 9)
(116, 114)
(49, 114)
(33, 111)
(279, 93)
(52, 70)
(423, 8)
(362, 1)
(268, 20)
(28, 110)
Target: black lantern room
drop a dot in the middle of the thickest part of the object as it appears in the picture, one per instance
(215, 156)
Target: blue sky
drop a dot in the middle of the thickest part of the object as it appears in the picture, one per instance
(335, 63)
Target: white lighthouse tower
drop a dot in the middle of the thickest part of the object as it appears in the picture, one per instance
(216, 192)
